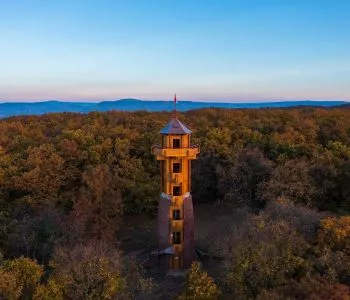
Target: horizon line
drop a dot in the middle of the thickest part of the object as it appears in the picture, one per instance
(184, 100)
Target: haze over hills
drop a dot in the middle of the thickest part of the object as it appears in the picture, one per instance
(8, 109)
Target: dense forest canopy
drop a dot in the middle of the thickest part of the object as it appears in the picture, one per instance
(67, 181)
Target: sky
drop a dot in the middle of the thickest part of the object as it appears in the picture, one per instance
(219, 50)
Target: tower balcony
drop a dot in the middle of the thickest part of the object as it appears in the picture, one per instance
(164, 153)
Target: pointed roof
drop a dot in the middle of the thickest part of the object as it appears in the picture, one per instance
(175, 127)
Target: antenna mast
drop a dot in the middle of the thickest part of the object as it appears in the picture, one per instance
(175, 112)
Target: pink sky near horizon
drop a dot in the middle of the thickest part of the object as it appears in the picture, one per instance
(243, 91)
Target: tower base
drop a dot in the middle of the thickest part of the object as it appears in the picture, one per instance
(181, 251)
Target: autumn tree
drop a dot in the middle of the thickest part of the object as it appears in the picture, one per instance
(292, 181)
(98, 207)
(137, 284)
(88, 271)
(51, 290)
(199, 285)
(308, 289)
(19, 277)
(264, 252)
(334, 232)
(43, 173)
(239, 184)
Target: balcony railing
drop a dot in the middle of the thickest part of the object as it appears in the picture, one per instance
(190, 151)
(192, 146)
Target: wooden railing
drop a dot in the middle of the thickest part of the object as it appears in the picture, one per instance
(190, 151)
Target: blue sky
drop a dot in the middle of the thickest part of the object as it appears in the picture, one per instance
(227, 50)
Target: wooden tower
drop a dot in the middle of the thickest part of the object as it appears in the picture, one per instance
(175, 211)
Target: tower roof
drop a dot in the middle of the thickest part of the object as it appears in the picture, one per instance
(175, 127)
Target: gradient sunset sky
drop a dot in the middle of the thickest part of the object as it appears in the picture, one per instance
(223, 50)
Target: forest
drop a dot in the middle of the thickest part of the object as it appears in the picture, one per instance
(271, 190)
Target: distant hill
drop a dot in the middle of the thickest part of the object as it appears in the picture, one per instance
(26, 108)
(346, 105)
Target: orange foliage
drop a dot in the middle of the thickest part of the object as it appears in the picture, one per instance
(335, 232)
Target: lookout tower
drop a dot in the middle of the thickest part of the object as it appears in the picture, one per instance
(175, 210)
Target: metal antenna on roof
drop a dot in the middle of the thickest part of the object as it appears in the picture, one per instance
(175, 112)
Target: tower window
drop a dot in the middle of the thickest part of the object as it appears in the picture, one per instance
(176, 237)
(177, 167)
(176, 143)
(176, 191)
(176, 214)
